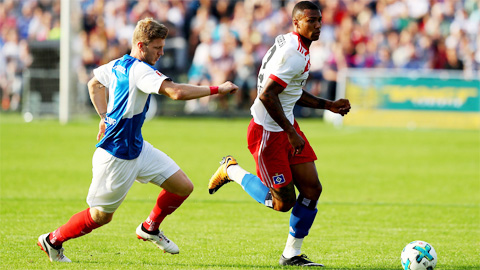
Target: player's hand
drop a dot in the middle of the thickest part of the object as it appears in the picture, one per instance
(297, 142)
(341, 106)
(227, 87)
(101, 129)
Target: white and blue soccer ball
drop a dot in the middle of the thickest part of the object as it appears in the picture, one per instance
(419, 255)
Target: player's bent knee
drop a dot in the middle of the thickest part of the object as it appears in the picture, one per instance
(185, 190)
(178, 184)
(283, 206)
(313, 192)
(284, 198)
(101, 218)
(319, 189)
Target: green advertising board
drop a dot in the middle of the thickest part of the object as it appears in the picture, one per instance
(411, 99)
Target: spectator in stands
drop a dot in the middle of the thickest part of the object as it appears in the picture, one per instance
(16, 58)
(222, 65)
(199, 73)
(244, 72)
(452, 60)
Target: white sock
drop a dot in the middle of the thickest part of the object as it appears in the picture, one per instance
(293, 247)
(236, 173)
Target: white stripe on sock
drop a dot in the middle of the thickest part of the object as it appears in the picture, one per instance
(236, 173)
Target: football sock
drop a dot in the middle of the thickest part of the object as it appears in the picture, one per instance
(150, 232)
(301, 220)
(256, 189)
(79, 224)
(236, 173)
(302, 216)
(50, 243)
(167, 203)
(293, 247)
(251, 184)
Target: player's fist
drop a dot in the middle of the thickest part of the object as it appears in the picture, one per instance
(101, 129)
(227, 87)
(341, 106)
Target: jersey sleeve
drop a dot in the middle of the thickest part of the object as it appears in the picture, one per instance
(288, 66)
(103, 73)
(148, 79)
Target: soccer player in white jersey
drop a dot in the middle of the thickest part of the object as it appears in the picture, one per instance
(284, 158)
(120, 92)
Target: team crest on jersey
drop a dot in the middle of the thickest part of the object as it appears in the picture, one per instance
(158, 72)
(278, 179)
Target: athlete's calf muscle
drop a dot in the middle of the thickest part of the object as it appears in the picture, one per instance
(101, 218)
(284, 198)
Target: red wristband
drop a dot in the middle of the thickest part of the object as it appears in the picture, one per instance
(213, 90)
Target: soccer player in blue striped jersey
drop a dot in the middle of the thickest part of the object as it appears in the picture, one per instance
(120, 92)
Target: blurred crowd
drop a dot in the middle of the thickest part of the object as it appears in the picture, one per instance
(226, 39)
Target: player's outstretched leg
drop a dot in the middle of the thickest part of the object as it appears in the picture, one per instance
(229, 171)
(158, 238)
(55, 254)
(78, 225)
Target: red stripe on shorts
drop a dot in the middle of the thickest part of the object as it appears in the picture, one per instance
(261, 164)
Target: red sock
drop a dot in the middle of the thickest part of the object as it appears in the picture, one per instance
(79, 224)
(167, 203)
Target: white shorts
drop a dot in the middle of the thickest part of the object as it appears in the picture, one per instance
(113, 177)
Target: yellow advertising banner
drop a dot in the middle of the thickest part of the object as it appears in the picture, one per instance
(411, 100)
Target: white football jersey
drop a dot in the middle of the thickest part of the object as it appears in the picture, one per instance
(287, 62)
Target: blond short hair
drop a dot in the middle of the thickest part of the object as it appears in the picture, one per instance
(148, 30)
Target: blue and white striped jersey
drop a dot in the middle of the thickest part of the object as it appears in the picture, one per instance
(130, 83)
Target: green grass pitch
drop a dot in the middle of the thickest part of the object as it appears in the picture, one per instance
(383, 188)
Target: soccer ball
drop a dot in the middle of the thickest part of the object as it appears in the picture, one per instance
(419, 255)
